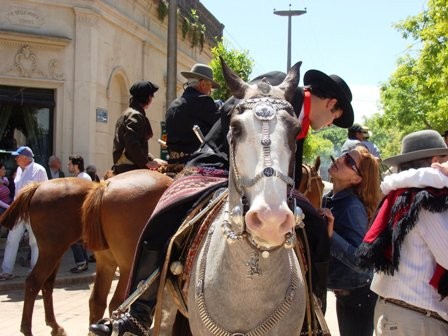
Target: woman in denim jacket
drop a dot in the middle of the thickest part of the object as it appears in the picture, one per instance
(349, 208)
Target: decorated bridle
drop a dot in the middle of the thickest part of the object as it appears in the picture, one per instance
(264, 109)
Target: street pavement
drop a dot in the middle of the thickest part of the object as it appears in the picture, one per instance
(70, 297)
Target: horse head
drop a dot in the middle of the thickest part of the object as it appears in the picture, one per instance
(262, 144)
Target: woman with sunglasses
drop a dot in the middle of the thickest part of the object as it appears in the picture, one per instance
(349, 208)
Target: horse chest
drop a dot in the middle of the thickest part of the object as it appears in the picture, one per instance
(234, 302)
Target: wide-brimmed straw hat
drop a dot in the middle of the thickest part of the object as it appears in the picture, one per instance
(200, 71)
(419, 145)
(366, 131)
(339, 87)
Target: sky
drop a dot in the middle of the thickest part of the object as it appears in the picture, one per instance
(354, 39)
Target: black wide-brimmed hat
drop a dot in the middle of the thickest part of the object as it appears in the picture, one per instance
(201, 71)
(339, 87)
(143, 89)
(419, 145)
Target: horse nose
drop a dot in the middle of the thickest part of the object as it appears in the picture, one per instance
(269, 224)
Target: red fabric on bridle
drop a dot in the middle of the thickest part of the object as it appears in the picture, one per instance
(306, 117)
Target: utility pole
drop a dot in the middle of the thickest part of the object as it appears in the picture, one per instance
(289, 13)
(171, 66)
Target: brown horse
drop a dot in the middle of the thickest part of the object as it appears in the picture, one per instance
(114, 214)
(311, 185)
(54, 211)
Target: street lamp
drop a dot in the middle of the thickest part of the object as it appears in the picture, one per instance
(289, 13)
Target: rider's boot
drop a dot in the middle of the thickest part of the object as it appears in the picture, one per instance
(138, 320)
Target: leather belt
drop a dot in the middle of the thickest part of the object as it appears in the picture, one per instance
(177, 155)
(342, 292)
(423, 311)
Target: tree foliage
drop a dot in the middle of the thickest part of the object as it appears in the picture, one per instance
(415, 97)
(238, 61)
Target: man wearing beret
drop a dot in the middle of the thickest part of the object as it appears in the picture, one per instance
(133, 130)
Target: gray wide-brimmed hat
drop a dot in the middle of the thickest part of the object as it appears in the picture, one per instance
(200, 71)
(339, 87)
(419, 145)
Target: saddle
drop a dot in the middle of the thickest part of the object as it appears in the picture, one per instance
(183, 247)
(185, 244)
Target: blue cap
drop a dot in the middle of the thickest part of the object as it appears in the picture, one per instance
(24, 150)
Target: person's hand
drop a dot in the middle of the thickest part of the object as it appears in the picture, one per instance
(326, 213)
(153, 165)
(443, 167)
(160, 161)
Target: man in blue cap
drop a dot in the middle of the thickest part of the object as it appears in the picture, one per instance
(28, 171)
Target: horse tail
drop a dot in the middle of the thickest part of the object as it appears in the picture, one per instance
(93, 235)
(19, 209)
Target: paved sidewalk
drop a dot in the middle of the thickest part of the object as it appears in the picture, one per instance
(71, 297)
(63, 278)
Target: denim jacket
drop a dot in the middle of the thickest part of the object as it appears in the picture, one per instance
(350, 226)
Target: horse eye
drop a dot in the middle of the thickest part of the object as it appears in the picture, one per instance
(236, 129)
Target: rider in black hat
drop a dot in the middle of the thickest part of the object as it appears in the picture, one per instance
(194, 107)
(133, 130)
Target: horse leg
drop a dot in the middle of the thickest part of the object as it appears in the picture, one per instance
(47, 293)
(120, 291)
(105, 270)
(33, 284)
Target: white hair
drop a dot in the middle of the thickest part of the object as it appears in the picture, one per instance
(191, 82)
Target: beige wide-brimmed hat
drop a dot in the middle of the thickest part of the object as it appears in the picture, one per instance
(200, 71)
(419, 145)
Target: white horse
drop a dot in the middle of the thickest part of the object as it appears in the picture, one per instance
(246, 278)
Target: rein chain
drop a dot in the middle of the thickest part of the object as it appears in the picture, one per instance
(273, 319)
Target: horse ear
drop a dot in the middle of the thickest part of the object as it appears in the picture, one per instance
(236, 85)
(290, 83)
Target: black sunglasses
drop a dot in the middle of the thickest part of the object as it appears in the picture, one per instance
(349, 161)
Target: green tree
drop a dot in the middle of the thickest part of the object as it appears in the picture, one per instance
(416, 97)
(238, 61)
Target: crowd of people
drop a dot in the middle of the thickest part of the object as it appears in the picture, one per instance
(29, 171)
(387, 238)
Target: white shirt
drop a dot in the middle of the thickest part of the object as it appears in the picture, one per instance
(424, 246)
(84, 176)
(34, 172)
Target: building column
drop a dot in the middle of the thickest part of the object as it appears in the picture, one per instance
(85, 82)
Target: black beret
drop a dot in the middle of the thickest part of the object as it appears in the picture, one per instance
(143, 89)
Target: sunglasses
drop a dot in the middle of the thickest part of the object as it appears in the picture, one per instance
(350, 162)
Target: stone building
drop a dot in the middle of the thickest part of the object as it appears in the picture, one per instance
(66, 67)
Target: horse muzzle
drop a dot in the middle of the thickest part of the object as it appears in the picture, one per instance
(269, 226)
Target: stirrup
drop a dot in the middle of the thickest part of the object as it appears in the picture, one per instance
(143, 331)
